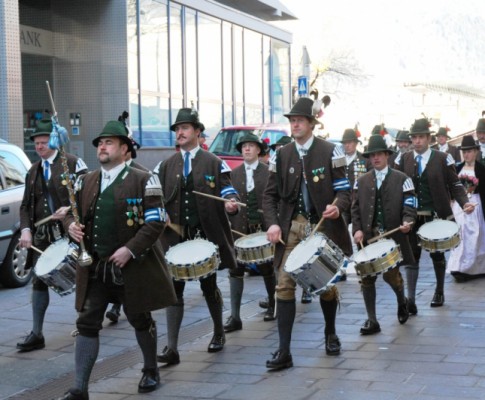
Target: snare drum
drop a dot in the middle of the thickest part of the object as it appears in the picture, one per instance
(316, 264)
(193, 259)
(439, 235)
(254, 249)
(377, 258)
(56, 266)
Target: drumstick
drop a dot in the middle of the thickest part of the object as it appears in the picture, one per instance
(46, 219)
(176, 228)
(321, 220)
(238, 233)
(361, 244)
(450, 217)
(219, 198)
(376, 238)
(36, 249)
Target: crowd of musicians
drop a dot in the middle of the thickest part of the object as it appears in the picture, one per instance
(128, 219)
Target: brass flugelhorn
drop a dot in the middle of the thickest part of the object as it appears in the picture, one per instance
(84, 259)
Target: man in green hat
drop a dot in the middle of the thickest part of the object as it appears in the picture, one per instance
(372, 215)
(403, 144)
(480, 130)
(357, 164)
(122, 217)
(280, 142)
(250, 180)
(45, 195)
(184, 173)
(306, 183)
(434, 177)
(442, 144)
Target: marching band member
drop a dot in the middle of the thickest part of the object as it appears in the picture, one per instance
(434, 177)
(442, 138)
(305, 177)
(403, 144)
(121, 218)
(45, 194)
(196, 216)
(249, 180)
(383, 199)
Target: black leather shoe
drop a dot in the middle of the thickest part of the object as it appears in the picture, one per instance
(149, 381)
(370, 327)
(264, 303)
(306, 298)
(269, 315)
(31, 342)
(216, 344)
(281, 359)
(232, 325)
(413, 310)
(114, 314)
(438, 300)
(332, 345)
(74, 394)
(402, 312)
(169, 356)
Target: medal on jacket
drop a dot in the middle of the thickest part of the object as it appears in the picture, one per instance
(209, 180)
(318, 174)
(64, 180)
(141, 221)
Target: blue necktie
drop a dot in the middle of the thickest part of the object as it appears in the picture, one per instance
(419, 157)
(46, 170)
(186, 164)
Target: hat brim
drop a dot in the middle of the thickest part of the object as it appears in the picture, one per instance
(34, 135)
(261, 146)
(125, 139)
(462, 148)
(199, 125)
(368, 153)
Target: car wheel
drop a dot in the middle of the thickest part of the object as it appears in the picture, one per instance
(14, 272)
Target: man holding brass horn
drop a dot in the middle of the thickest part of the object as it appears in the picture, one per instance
(45, 196)
(122, 216)
(383, 199)
(306, 182)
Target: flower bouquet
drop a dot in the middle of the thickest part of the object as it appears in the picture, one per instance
(470, 183)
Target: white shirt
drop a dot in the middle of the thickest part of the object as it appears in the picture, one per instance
(425, 158)
(444, 147)
(350, 158)
(303, 148)
(192, 152)
(381, 175)
(250, 174)
(108, 177)
(50, 160)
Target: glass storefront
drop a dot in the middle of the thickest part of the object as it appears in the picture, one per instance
(178, 56)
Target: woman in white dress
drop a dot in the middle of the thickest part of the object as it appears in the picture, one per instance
(467, 261)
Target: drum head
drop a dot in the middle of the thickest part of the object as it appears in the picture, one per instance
(374, 250)
(304, 251)
(438, 229)
(190, 252)
(52, 257)
(251, 241)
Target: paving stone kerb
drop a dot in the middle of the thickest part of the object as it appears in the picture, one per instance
(440, 353)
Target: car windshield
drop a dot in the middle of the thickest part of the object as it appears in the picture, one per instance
(11, 173)
(225, 142)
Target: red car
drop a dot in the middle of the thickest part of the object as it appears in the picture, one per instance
(224, 144)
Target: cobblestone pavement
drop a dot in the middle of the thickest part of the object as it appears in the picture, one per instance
(438, 354)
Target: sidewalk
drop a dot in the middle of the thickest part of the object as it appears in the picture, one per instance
(438, 354)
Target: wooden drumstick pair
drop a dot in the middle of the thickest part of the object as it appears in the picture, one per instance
(376, 238)
(244, 235)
